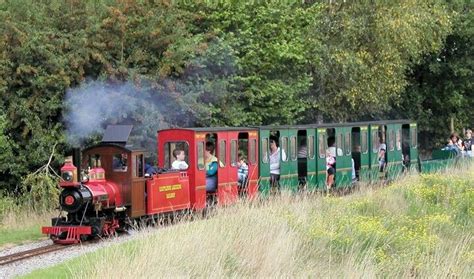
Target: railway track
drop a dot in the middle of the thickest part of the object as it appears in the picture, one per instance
(4, 260)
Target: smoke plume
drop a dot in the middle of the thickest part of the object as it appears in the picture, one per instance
(149, 104)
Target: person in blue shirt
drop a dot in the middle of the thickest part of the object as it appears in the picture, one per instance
(242, 171)
(454, 144)
(211, 164)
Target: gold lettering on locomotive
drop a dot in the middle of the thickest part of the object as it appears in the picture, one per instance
(170, 195)
(167, 188)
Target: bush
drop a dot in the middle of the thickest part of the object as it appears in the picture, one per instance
(41, 192)
(7, 204)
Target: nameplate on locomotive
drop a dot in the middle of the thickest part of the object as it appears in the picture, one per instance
(167, 188)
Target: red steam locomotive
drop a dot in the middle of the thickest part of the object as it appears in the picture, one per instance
(116, 190)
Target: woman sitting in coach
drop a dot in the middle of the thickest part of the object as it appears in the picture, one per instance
(210, 162)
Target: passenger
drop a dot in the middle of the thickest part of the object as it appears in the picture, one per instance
(119, 163)
(382, 154)
(302, 162)
(353, 176)
(356, 156)
(449, 145)
(303, 149)
(406, 156)
(457, 141)
(179, 162)
(275, 165)
(150, 169)
(468, 142)
(242, 172)
(210, 162)
(330, 163)
(456, 144)
(406, 162)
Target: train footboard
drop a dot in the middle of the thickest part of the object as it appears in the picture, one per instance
(67, 234)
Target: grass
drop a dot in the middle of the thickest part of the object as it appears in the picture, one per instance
(421, 226)
(22, 217)
(20, 224)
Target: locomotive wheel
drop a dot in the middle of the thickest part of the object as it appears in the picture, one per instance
(85, 237)
(62, 235)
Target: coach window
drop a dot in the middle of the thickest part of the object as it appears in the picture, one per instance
(293, 152)
(233, 153)
(284, 146)
(311, 147)
(339, 143)
(413, 137)
(200, 155)
(347, 143)
(119, 162)
(138, 163)
(169, 149)
(243, 146)
(264, 150)
(398, 140)
(322, 145)
(391, 142)
(253, 152)
(222, 153)
(375, 141)
(364, 146)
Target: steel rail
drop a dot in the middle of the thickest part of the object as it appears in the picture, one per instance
(8, 259)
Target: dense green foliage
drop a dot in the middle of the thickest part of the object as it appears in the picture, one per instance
(442, 87)
(229, 64)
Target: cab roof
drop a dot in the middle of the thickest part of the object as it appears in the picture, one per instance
(126, 148)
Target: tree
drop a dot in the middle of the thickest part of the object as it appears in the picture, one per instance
(442, 87)
(367, 49)
(6, 154)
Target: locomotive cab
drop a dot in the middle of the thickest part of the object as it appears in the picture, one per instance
(123, 167)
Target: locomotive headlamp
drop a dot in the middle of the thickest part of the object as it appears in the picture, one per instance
(67, 176)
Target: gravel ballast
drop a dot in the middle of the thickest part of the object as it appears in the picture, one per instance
(43, 261)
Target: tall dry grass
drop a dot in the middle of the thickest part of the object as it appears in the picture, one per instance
(21, 217)
(24, 218)
(421, 226)
(21, 223)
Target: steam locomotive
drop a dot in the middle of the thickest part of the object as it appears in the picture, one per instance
(114, 189)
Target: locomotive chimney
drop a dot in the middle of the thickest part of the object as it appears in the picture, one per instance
(76, 160)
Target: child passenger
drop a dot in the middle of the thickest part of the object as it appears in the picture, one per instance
(179, 163)
(381, 155)
(242, 172)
